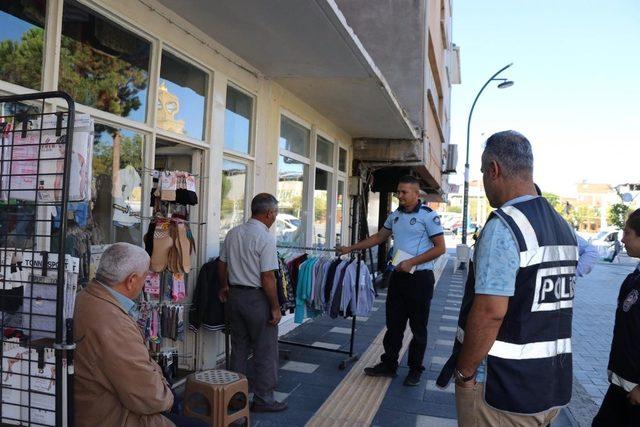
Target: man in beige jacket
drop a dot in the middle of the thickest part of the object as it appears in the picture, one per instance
(116, 381)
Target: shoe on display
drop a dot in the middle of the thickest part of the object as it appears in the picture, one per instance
(380, 370)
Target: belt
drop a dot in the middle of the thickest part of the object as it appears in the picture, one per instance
(244, 287)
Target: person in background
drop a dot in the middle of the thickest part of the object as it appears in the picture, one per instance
(116, 382)
(512, 356)
(418, 233)
(621, 404)
(616, 248)
(587, 252)
(248, 285)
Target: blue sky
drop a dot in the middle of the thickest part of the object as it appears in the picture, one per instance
(577, 85)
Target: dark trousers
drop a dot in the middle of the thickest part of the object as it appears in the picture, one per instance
(616, 410)
(249, 313)
(408, 298)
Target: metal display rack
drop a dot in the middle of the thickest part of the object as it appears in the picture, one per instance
(357, 210)
(36, 374)
(352, 356)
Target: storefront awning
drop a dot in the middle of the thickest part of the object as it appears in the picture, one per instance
(307, 47)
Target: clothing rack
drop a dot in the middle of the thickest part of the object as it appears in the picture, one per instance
(352, 356)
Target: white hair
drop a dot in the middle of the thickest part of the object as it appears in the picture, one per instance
(119, 261)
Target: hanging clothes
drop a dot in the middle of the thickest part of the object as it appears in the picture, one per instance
(328, 285)
(207, 311)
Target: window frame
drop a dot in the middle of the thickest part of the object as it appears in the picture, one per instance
(247, 185)
(165, 46)
(252, 132)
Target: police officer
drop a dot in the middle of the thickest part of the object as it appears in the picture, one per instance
(512, 356)
(419, 237)
(621, 404)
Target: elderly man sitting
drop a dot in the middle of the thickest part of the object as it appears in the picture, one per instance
(116, 381)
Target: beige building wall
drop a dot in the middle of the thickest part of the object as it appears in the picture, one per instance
(166, 30)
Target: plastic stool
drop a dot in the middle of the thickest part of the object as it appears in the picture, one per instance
(218, 397)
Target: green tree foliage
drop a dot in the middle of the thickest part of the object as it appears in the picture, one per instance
(91, 77)
(617, 215)
(130, 150)
(21, 61)
(100, 80)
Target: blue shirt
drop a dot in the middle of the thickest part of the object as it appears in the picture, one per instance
(413, 231)
(588, 257)
(128, 305)
(492, 277)
(497, 257)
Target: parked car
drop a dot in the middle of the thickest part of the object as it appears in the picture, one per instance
(603, 241)
(471, 228)
(287, 226)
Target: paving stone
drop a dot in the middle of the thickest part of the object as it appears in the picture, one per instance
(339, 330)
(437, 360)
(302, 367)
(428, 421)
(331, 346)
(431, 386)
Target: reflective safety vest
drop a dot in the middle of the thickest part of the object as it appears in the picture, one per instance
(529, 367)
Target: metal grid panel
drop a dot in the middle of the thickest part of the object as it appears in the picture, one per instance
(37, 339)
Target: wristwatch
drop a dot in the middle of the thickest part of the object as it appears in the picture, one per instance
(461, 378)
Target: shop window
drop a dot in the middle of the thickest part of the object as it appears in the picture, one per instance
(342, 160)
(234, 184)
(321, 207)
(102, 65)
(238, 121)
(340, 206)
(291, 194)
(294, 137)
(181, 97)
(22, 42)
(324, 151)
(18, 217)
(117, 177)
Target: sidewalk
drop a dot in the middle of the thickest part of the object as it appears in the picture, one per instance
(309, 377)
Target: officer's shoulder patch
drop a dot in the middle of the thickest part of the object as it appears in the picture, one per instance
(413, 221)
(396, 219)
(436, 219)
(631, 299)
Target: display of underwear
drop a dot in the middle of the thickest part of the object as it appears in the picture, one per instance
(327, 285)
(174, 186)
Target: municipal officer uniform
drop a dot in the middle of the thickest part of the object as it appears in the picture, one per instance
(528, 370)
(409, 295)
(624, 360)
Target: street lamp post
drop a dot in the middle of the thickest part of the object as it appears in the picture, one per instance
(465, 214)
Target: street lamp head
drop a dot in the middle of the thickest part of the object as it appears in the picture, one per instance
(505, 84)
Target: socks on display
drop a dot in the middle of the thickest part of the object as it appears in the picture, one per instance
(168, 187)
(178, 290)
(162, 244)
(185, 247)
(152, 283)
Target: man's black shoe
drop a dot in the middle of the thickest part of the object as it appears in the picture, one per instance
(380, 370)
(274, 407)
(413, 378)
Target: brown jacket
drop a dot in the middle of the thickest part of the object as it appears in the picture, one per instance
(116, 382)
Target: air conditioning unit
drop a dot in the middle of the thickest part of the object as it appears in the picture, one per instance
(452, 159)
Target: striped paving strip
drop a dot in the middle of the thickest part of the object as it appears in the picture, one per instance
(355, 401)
